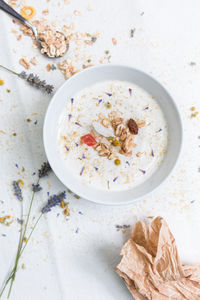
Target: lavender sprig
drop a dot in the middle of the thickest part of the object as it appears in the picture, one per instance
(33, 80)
(53, 201)
(44, 170)
(17, 190)
(36, 187)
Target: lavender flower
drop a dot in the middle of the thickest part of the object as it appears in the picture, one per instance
(146, 108)
(76, 144)
(77, 230)
(159, 130)
(93, 39)
(17, 190)
(127, 162)
(132, 32)
(96, 169)
(152, 153)
(36, 188)
(130, 92)
(20, 221)
(100, 100)
(72, 101)
(66, 148)
(109, 94)
(53, 201)
(115, 179)
(44, 170)
(83, 156)
(69, 117)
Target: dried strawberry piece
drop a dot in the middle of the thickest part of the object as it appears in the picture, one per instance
(89, 140)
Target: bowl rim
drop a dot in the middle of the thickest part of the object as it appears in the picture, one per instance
(52, 101)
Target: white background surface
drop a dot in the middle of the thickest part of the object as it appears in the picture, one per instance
(61, 264)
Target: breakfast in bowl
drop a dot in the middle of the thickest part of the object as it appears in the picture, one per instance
(112, 135)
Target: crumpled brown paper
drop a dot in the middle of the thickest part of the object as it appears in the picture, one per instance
(151, 266)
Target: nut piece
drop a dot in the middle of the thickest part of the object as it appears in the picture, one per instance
(127, 144)
(133, 127)
(141, 124)
(116, 122)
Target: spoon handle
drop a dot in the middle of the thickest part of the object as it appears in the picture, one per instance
(5, 7)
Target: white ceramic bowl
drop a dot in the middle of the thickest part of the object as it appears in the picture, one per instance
(87, 78)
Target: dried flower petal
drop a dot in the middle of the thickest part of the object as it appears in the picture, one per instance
(82, 170)
(143, 171)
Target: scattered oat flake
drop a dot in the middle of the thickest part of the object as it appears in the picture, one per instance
(114, 41)
(48, 68)
(89, 8)
(82, 170)
(45, 12)
(115, 179)
(13, 30)
(77, 13)
(2, 131)
(2, 82)
(19, 37)
(24, 63)
(33, 61)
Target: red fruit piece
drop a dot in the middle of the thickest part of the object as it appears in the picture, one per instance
(89, 140)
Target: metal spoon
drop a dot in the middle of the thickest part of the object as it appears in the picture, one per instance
(8, 9)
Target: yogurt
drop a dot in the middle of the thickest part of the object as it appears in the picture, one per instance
(128, 101)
